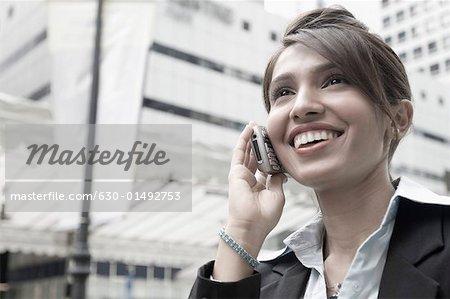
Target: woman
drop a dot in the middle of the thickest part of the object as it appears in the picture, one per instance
(339, 102)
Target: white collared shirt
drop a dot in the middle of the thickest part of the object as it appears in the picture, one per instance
(364, 275)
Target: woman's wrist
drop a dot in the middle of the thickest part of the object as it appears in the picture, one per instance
(244, 254)
(230, 265)
(251, 239)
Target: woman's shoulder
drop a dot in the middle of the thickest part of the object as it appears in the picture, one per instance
(417, 193)
(423, 217)
(420, 241)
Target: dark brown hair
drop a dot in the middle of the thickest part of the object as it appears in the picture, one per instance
(364, 58)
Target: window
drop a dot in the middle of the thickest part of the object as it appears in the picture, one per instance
(386, 21)
(413, 10)
(441, 101)
(122, 269)
(447, 65)
(246, 25)
(10, 12)
(434, 69)
(273, 36)
(401, 36)
(140, 272)
(403, 56)
(400, 16)
(173, 272)
(414, 31)
(385, 3)
(388, 40)
(103, 268)
(417, 52)
(432, 47)
(158, 272)
(423, 95)
(421, 70)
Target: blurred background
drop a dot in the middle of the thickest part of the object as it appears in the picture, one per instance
(181, 62)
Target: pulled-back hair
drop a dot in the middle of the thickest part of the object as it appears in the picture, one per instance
(364, 58)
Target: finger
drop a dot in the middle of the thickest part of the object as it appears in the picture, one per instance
(253, 165)
(240, 173)
(248, 151)
(241, 146)
(275, 183)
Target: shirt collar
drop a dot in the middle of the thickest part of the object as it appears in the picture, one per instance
(310, 236)
(409, 189)
(307, 242)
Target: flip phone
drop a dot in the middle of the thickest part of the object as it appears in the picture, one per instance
(264, 152)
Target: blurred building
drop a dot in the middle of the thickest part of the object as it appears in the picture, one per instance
(418, 33)
(25, 61)
(204, 67)
(422, 155)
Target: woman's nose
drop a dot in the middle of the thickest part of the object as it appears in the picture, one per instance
(306, 104)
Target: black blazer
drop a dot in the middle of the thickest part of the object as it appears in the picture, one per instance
(417, 263)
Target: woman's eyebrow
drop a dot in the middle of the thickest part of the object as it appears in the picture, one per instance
(317, 69)
(283, 77)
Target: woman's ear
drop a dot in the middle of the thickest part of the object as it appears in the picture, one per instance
(403, 115)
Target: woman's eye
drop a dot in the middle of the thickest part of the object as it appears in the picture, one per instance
(284, 92)
(333, 81)
(281, 93)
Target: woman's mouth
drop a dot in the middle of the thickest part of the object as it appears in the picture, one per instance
(310, 138)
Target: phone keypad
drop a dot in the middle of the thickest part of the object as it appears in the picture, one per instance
(273, 161)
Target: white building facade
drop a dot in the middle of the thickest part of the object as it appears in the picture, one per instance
(418, 32)
(423, 154)
(204, 67)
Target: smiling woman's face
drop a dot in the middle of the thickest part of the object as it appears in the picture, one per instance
(326, 132)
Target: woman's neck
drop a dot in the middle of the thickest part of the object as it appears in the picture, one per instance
(353, 212)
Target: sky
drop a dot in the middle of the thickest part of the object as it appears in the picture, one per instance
(367, 11)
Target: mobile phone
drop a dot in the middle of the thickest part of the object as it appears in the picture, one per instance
(264, 152)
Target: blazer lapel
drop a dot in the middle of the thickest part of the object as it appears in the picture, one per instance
(291, 284)
(417, 234)
(402, 280)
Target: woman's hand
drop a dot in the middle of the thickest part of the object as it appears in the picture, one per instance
(255, 200)
(254, 208)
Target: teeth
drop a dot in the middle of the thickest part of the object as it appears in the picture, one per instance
(304, 139)
(317, 135)
(310, 136)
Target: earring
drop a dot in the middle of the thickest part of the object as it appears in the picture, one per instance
(395, 132)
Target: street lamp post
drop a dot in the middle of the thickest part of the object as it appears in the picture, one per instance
(79, 267)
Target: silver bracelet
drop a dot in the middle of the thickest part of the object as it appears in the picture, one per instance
(238, 248)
